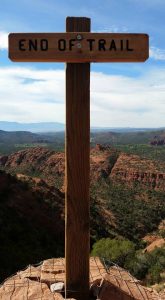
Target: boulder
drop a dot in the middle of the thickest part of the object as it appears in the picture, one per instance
(36, 282)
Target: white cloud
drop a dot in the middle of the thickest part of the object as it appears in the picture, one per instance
(125, 101)
(3, 40)
(31, 95)
(113, 29)
(156, 53)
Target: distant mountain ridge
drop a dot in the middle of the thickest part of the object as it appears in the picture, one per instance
(56, 127)
(32, 127)
(16, 136)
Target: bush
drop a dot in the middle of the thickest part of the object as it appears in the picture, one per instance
(154, 274)
(138, 265)
(114, 250)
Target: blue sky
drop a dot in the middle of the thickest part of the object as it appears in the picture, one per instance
(122, 94)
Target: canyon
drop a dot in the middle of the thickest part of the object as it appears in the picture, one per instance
(105, 162)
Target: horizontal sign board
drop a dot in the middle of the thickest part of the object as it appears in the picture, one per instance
(78, 47)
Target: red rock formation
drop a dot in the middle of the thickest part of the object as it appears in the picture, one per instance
(158, 140)
(131, 169)
(100, 147)
(159, 242)
(150, 238)
(105, 162)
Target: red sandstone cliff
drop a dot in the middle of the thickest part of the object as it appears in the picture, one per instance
(105, 163)
(131, 169)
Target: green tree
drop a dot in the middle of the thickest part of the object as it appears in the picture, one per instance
(115, 250)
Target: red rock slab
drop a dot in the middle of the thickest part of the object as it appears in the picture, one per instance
(53, 270)
(123, 282)
(23, 288)
(30, 272)
(159, 242)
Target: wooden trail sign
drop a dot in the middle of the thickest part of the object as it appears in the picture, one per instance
(78, 47)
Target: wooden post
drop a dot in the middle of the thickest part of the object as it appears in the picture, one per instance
(77, 169)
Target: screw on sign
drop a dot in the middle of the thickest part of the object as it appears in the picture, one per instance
(78, 47)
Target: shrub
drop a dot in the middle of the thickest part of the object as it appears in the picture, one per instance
(115, 250)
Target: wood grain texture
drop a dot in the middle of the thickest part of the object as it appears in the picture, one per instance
(77, 171)
(64, 47)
